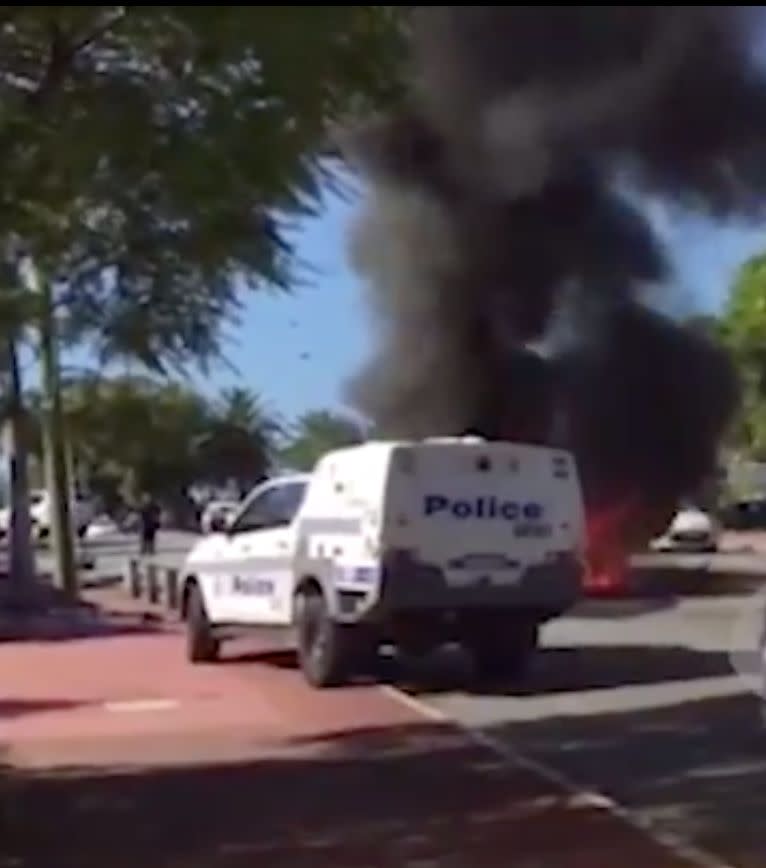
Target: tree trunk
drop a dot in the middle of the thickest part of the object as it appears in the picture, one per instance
(22, 557)
(54, 438)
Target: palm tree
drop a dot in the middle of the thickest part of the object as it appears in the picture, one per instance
(317, 433)
(238, 442)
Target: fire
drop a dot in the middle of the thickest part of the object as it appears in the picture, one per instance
(613, 532)
(608, 547)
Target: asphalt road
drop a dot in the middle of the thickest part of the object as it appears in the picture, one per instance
(640, 701)
(734, 561)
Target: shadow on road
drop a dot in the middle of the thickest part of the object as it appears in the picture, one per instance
(87, 621)
(561, 670)
(668, 582)
(14, 708)
(555, 670)
(386, 799)
(695, 769)
(632, 606)
(102, 581)
(279, 658)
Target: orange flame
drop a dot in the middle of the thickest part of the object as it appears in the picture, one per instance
(613, 532)
(608, 547)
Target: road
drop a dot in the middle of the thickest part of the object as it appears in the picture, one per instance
(129, 756)
(636, 700)
(639, 702)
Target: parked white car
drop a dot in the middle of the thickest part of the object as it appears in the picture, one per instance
(692, 530)
(83, 511)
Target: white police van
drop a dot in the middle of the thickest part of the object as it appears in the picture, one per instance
(413, 543)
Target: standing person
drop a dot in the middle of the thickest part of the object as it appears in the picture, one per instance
(150, 524)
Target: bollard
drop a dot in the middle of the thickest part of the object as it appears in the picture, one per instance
(133, 578)
(153, 585)
(172, 588)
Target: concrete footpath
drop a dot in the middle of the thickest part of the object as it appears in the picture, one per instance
(114, 751)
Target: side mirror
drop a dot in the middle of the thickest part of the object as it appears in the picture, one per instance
(219, 524)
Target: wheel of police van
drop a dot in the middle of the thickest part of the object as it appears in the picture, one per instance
(325, 648)
(201, 643)
(503, 650)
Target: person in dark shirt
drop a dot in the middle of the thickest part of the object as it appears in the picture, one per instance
(150, 523)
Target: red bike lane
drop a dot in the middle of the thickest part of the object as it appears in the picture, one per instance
(113, 750)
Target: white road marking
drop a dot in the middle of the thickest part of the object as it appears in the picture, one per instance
(578, 795)
(141, 706)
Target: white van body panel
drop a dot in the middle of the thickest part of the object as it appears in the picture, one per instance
(453, 506)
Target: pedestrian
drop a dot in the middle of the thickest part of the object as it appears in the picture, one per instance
(149, 524)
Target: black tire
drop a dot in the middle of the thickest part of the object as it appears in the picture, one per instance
(201, 644)
(503, 651)
(325, 648)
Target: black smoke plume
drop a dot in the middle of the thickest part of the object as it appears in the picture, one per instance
(508, 260)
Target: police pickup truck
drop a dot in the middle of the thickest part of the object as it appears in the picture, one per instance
(414, 544)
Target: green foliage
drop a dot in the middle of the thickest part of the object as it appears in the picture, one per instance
(238, 441)
(136, 434)
(744, 324)
(155, 157)
(743, 331)
(132, 434)
(315, 434)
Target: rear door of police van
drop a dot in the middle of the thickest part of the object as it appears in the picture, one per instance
(481, 510)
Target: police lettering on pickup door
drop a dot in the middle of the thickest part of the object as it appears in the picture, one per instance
(252, 586)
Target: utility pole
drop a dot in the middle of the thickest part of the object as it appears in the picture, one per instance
(54, 439)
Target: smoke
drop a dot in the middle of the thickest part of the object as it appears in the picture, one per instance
(505, 253)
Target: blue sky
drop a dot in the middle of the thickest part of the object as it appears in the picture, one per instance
(298, 351)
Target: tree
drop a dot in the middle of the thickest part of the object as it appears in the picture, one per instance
(319, 432)
(15, 308)
(238, 444)
(135, 435)
(743, 331)
(153, 159)
(22, 559)
(155, 156)
(139, 434)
